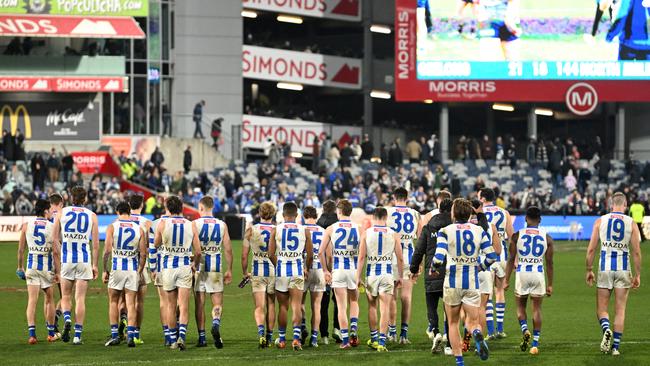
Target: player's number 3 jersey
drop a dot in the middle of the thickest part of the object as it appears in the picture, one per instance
(39, 244)
(260, 237)
(615, 233)
(290, 247)
(531, 248)
(76, 228)
(345, 241)
(211, 232)
(177, 239)
(126, 245)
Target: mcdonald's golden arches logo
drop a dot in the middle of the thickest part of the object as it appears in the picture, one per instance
(13, 119)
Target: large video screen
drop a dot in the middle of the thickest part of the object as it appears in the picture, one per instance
(533, 39)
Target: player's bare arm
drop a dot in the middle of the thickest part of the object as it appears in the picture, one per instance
(157, 241)
(108, 248)
(362, 257)
(245, 250)
(22, 244)
(309, 249)
(196, 249)
(510, 266)
(591, 251)
(496, 241)
(400, 259)
(322, 254)
(56, 231)
(227, 246)
(549, 265)
(143, 251)
(635, 243)
(510, 230)
(272, 245)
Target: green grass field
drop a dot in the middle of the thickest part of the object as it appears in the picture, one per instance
(570, 335)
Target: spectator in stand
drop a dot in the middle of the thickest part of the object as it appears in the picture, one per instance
(395, 158)
(555, 165)
(215, 132)
(157, 158)
(325, 150)
(53, 166)
(383, 154)
(499, 150)
(531, 151)
(356, 150)
(413, 151)
(38, 172)
(487, 151)
(315, 155)
(637, 211)
(461, 148)
(310, 200)
(542, 154)
(424, 154)
(187, 159)
(434, 149)
(570, 181)
(197, 117)
(19, 147)
(511, 153)
(346, 155)
(474, 149)
(8, 142)
(333, 156)
(129, 169)
(67, 166)
(584, 176)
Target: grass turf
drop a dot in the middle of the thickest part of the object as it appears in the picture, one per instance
(570, 334)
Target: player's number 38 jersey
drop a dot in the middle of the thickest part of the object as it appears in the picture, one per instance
(76, 228)
(290, 247)
(211, 232)
(615, 234)
(404, 221)
(531, 248)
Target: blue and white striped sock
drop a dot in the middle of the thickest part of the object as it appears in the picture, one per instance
(78, 329)
(604, 324)
(382, 339)
(353, 325)
(296, 333)
(202, 336)
(66, 317)
(489, 317)
(501, 312)
(166, 333)
(50, 329)
(536, 333)
(31, 329)
(216, 323)
(345, 336)
(182, 331)
(314, 336)
(524, 325)
(283, 334)
(617, 340)
(269, 335)
(260, 330)
(404, 331)
(114, 331)
(129, 332)
(392, 330)
(374, 333)
(460, 361)
(172, 335)
(136, 333)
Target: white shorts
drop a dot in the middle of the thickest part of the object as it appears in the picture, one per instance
(406, 272)
(209, 282)
(263, 284)
(530, 283)
(315, 281)
(43, 279)
(499, 268)
(456, 296)
(146, 276)
(123, 280)
(344, 278)
(284, 284)
(158, 280)
(77, 271)
(485, 282)
(614, 279)
(384, 284)
(173, 278)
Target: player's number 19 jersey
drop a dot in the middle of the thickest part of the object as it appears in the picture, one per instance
(615, 234)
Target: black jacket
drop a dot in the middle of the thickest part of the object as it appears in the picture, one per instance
(426, 247)
(326, 220)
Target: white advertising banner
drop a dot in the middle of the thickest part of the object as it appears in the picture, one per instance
(301, 67)
(334, 9)
(257, 130)
(10, 227)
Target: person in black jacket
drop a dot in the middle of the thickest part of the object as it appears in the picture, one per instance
(327, 218)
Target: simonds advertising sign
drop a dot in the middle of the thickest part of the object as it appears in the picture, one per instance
(40, 121)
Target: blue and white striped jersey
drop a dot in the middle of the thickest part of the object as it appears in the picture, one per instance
(259, 242)
(156, 254)
(177, 239)
(405, 221)
(126, 245)
(317, 233)
(499, 218)
(531, 248)
(461, 243)
(76, 229)
(39, 244)
(615, 233)
(290, 241)
(380, 248)
(151, 249)
(345, 244)
(211, 232)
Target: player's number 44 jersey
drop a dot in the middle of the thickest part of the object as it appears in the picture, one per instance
(615, 233)
(211, 232)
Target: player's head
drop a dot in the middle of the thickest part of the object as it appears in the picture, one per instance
(476, 203)
(56, 201)
(533, 216)
(123, 208)
(487, 195)
(329, 207)
(267, 211)
(443, 195)
(136, 201)
(461, 210)
(42, 208)
(78, 195)
(310, 214)
(174, 205)
(344, 208)
(289, 211)
(206, 204)
(619, 201)
(400, 194)
(379, 215)
(445, 205)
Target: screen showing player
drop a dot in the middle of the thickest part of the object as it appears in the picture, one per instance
(533, 40)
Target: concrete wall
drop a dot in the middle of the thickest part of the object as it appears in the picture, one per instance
(637, 131)
(207, 56)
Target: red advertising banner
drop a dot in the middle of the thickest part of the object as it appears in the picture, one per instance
(69, 26)
(581, 96)
(91, 162)
(64, 84)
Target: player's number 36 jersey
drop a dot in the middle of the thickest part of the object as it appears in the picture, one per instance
(531, 248)
(615, 233)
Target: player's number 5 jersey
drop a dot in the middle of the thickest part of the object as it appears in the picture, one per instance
(316, 240)
(345, 245)
(39, 244)
(126, 245)
(177, 239)
(211, 232)
(290, 247)
(615, 234)
(380, 247)
(76, 228)
(531, 248)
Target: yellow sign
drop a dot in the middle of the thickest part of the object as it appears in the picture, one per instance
(13, 119)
